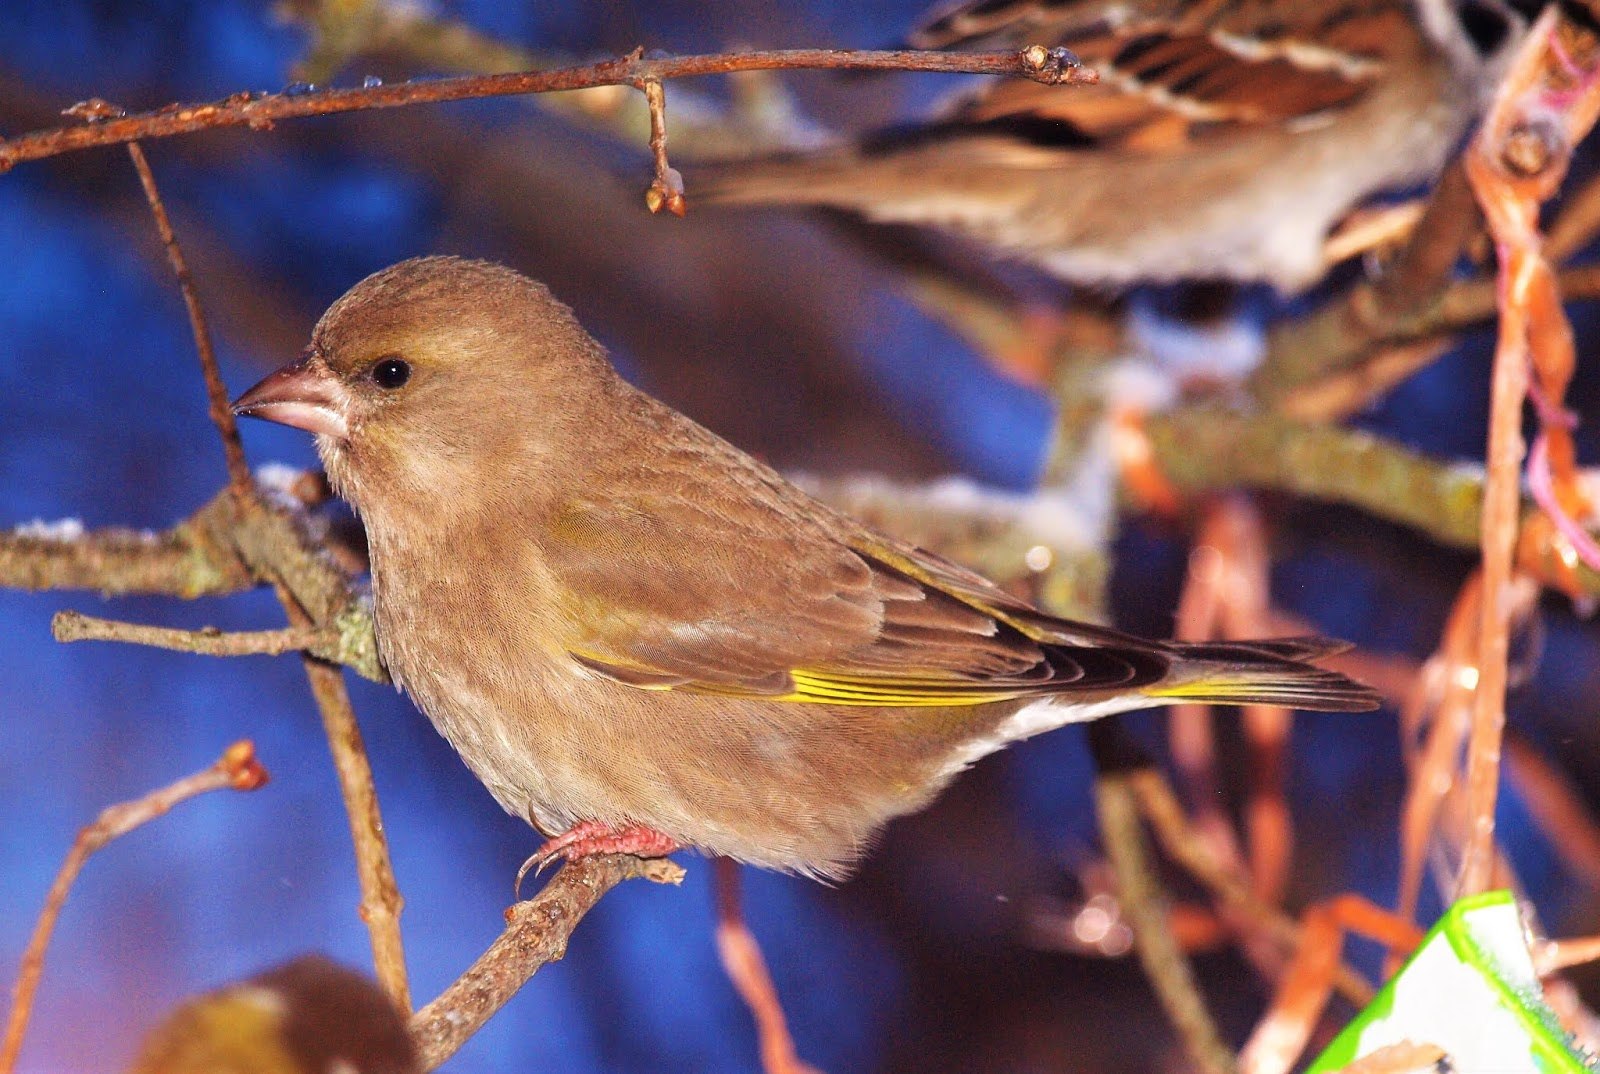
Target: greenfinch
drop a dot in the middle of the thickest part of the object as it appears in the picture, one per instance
(309, 1016)
(638, 637)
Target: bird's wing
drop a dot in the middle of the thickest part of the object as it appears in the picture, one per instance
(715, 575)
(1171, 72)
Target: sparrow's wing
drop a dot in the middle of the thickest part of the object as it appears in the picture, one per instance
(699, 569)
(1171, 72)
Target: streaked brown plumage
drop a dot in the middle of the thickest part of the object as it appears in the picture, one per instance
(1225, 138)
(617, 617)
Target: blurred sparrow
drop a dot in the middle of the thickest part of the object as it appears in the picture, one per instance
(640, 638)
(1224, 140)
(310, 1016)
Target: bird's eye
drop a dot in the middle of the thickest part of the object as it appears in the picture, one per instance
(391, 372)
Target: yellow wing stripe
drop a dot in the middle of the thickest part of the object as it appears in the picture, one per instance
(823, 689)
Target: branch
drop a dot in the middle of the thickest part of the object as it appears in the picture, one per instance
(237, 768)
(260, 111)
(185, 561)
(1547, 103)
(1200, 449)
(68, 626)
(381, 901)
(1343, 334)
(1117, 806)
(536, 934)
(216, 392)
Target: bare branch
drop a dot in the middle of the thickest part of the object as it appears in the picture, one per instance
(747, 969)
(216, 392)
(1117, 806)
(1548, 101)
(237, 769)
(536, 934)
(381, 901)
(1052, 67)
(70, 626)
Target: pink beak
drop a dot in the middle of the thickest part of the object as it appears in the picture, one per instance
(304, 395)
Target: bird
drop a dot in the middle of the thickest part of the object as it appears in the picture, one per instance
(308, 1016)
(641, 639)
(1223, 142)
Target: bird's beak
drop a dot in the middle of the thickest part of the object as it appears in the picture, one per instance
(305, 395)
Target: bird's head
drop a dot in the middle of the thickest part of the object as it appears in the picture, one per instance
(433, 374)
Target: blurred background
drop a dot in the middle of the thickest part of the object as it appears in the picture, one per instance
(762, 326)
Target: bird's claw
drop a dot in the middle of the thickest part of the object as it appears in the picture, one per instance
(590, 837)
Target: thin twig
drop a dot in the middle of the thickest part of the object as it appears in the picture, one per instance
(216, 392)
(69, 626)
(1117, 806)
(237, 769)
(381, 901)
(536, 934)
(1548, 101)
(666, 188)
(742, 961)
(1178, 838)
(1553, 956)
(260, 111)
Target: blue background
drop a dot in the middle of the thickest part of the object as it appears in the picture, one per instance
(758, 326)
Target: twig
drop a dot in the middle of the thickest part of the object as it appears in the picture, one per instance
(216, 392)
(68, 626)
(742, 961)
(1546, 103)
(381, 901)
(1303, 993)
(1206, 448)
(237, 768)
(260, 111)
(1406, 1057)
(1170, 975)
(1341, 335)
(536, 933)
(1553, 956)
(666, 189)
(1177, 837)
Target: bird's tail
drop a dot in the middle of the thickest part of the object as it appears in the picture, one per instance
(1271, 672)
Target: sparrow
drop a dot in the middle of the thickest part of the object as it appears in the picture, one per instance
(1224, 139)
(638, 637)
(309, 1016)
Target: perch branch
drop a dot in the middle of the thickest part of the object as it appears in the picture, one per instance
(536, 933)
(237, 768)
(260, 111)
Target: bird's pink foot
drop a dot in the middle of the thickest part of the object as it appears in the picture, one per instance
(590, 837)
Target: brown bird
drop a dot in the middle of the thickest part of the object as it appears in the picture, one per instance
(640, 638)
(309, 1016)
(1224, 140)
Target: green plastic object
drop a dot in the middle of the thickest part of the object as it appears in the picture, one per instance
(1470, 989)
